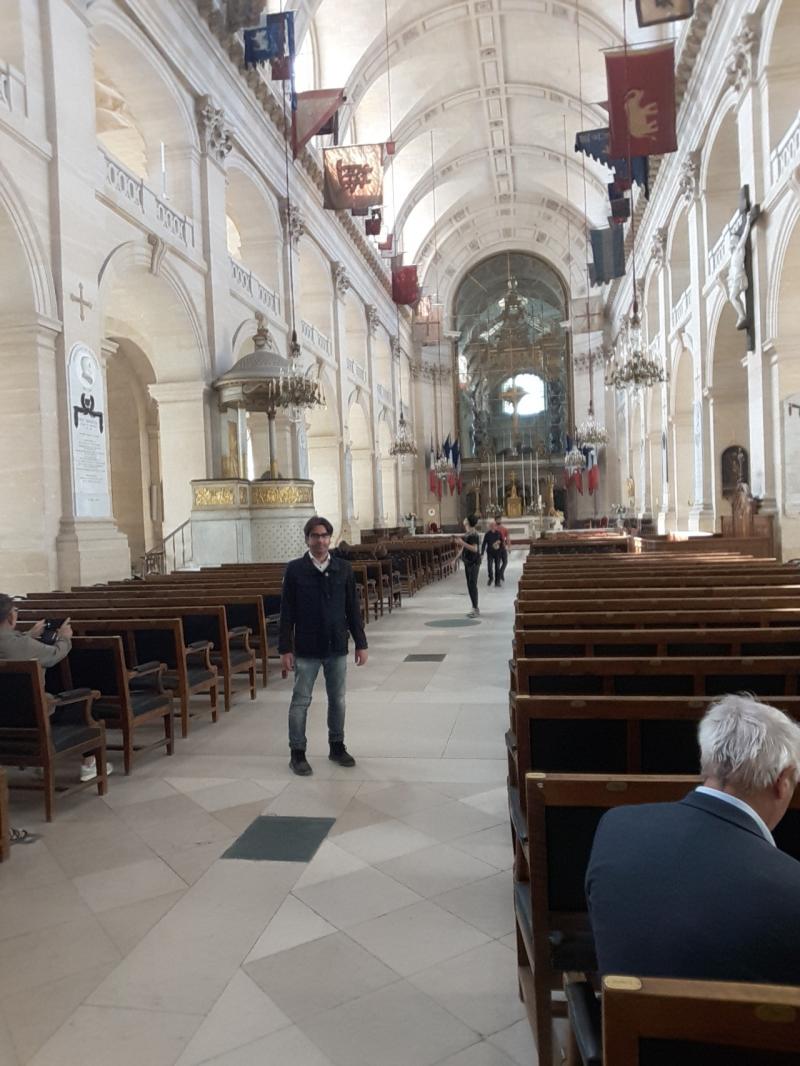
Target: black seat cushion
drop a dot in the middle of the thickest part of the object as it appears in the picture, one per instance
(141, 703)
(195, 677)
(237, 657)
(63, 737)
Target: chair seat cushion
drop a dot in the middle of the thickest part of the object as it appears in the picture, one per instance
(237, 657)
(194, 677)
(63, 737)
(141, 703)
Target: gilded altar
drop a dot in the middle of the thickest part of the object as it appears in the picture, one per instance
(239, 521)
(513, 501)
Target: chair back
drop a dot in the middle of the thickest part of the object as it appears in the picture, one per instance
(98, 663)
(24, 718)
(660, 1022)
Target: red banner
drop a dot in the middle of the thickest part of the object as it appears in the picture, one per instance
(314, 111)
(641, 100)
(405, 286)
(353, 176)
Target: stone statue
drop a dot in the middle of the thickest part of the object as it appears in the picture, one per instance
(738, 281)
(743, 508)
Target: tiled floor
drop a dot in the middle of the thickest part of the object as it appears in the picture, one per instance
(126, 939)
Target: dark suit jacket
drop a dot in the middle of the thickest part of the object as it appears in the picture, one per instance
(318, 609)
(693, 890)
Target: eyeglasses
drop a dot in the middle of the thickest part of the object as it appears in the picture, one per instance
(318, 536)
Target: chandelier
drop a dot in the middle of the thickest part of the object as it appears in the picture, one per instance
(632, 368)
(591, 433)
(403, 444)
(574, 459)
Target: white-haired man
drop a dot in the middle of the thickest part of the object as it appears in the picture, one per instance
(698, 889)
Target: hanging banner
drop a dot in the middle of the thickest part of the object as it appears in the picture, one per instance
(641, 100)
(353, 176)
(620, 204)
(587, 316)
(427, 326)
(314, 115)
(654, 12)
(595, 143)
(372, 227)
(405, 285)
(608, 252)
(273, 42)
(386, 248)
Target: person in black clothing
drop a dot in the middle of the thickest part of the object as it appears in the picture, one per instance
(319, 606)
(493, 548)
(468, 547)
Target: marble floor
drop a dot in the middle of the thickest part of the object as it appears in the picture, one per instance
(125, 938)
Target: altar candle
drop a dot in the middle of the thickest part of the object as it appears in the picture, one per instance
(503, 470)
(522, 458)
(496, 492)
(489, 495)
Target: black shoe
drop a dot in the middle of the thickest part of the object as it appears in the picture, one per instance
(489, 582)
(299, 764)
(340, 754)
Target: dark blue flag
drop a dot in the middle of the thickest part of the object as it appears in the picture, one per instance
(595, 143)
(608, 252)
(272, 42)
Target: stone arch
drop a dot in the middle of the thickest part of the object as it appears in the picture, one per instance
(29, 468)
(252, 209)
(681, 445)
(720, 180)
(782, 65)
(13, 38)
(729, 386)
(156, 316)
(361, 452)
(324, 453)
(155, 103)
(678, 258)
(315, 287)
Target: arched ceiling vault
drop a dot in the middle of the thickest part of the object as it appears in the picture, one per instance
(486, 98)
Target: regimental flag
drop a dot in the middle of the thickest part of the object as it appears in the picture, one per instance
(620, 204)
(446, 448)
(451, 481)
(653, 12)
(587, 316)
(592, 470)
(455, 458)
(608, 252)
(641, 100)
(386, 248)
(595, 143)
(353, 176)
(273, 43)
(405, 285)
(432, 479)
(372, 227)
(314, 115)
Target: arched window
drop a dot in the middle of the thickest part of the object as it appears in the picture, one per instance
(530, 402)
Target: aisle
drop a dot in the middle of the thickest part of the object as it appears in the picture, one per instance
(394, 946)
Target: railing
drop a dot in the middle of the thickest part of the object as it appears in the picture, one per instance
(680, 312)
(720, 253)
(251, 285)
(786, 152)
(356, 370)
(173, 553)
(313, 336)
(132, 193)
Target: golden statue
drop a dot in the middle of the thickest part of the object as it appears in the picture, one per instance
(548, 505)
(513, 502)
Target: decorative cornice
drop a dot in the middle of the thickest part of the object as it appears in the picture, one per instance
(294, 223)
(431, 371)
(740, 64)
(341, 279)
(373, 319)
(216, 137)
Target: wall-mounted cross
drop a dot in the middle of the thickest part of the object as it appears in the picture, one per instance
(80, 300)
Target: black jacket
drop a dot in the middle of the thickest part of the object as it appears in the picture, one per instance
(318, 609)
(693, 890)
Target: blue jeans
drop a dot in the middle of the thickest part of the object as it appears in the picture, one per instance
(305, 674)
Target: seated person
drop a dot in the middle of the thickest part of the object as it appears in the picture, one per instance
(15, 645)
(698, 889)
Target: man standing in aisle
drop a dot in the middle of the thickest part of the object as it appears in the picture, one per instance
(319, 605)
(492, 548)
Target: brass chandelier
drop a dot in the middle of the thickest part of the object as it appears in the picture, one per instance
(403, 444)
(630, 366)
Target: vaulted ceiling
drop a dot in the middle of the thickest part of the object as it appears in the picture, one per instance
(483, 99)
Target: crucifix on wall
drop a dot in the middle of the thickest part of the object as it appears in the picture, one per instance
(740, 270)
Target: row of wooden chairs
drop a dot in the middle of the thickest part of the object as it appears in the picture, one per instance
(613, 664)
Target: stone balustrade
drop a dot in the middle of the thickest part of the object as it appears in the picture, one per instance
(316, 338)
(680, 312)
(254, 289)
(356, 370)
(132, 194)
(785, 154)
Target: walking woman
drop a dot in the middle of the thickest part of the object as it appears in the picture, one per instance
(469, 547)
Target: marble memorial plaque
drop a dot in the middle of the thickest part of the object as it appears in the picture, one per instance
(791, 454)
(88, 432)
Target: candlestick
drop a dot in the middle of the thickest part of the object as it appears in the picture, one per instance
(503, 504)
(496, 495)
(489, 495)
(522, 460)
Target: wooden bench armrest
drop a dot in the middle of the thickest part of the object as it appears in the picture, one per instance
(74, 707)
(199, 645)
(240, 637)
(199, 651)
(146, 668)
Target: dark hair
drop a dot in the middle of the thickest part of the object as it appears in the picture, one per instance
(317, 520)
(7, 605)
(472, 519)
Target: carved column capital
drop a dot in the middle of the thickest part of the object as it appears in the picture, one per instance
(294, 224)
(688, 183)
(373, 319)
(395, 349)
(216, 137)
(341, 279)
(740, 63)
(658, 247)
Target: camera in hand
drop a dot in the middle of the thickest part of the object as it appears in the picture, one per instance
(50, 632)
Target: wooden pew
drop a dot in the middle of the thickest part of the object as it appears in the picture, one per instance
(100, 661)
(189, 670)
(689, 642)
(39, 731)
(200, 624)
(634, 618)
(659, 581)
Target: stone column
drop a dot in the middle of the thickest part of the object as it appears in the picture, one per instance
(182, 418)
(345, 387)
(377, 468)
